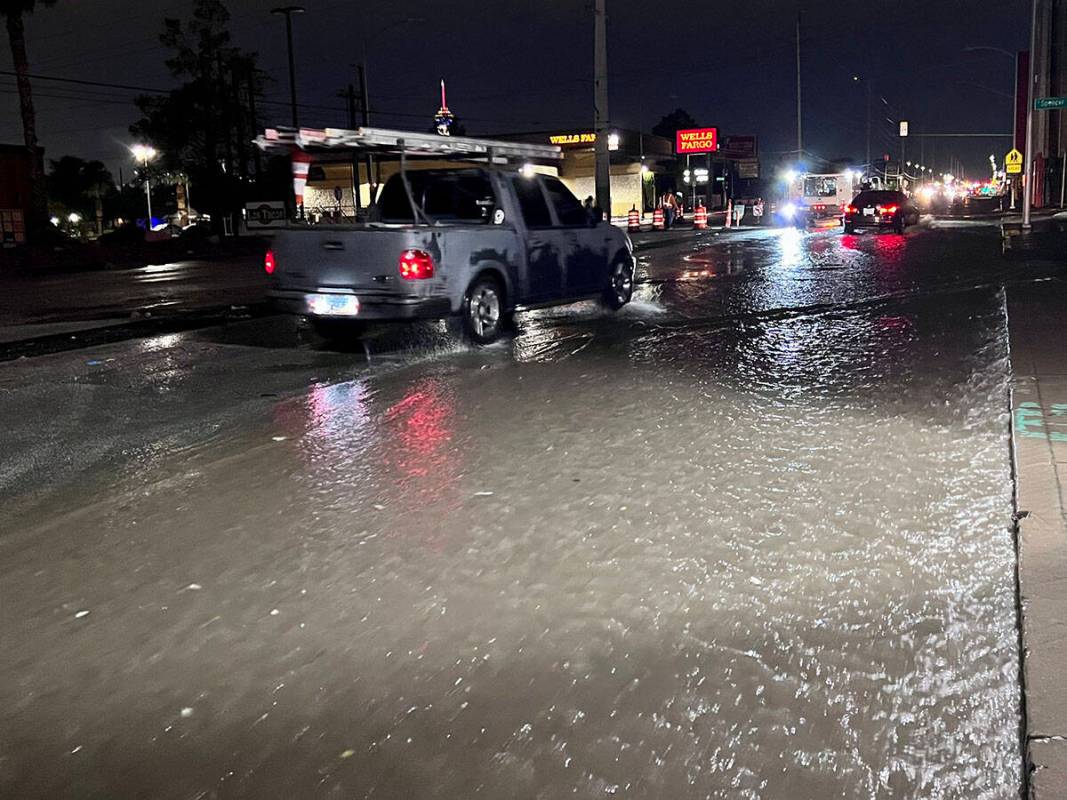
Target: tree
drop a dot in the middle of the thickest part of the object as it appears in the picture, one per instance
(202, 128)
(677, 120)
(74, 182)
(79, 186)
(13, 11)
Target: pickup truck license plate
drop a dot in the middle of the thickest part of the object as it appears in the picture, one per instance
(868, 212)
(322, 304)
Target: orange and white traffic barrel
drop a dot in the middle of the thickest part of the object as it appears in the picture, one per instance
(657, 219)
(633, 221)
(700, 218)
(729, 213)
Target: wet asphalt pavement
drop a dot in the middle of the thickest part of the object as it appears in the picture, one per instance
(750, 538)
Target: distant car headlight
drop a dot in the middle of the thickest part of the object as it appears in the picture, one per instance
(789, 210)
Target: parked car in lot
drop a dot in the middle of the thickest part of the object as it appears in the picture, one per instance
(881, 209)
(477, 243)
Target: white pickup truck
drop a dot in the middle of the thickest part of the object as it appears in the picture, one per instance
(476, 242)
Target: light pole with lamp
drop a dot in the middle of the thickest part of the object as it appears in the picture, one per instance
(867, 81)
(145, 153)
(1014, 58)
(365, 99)
(288, 11)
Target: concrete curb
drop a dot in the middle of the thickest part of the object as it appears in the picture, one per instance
(1037, 319)
(92, 333)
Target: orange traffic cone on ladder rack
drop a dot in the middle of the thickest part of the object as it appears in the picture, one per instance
(729, 212)
(700, 217)
(633, 221)
(657, 219)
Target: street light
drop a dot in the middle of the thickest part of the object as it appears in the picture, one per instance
(1014, 58)
(867, 81)
(288, 11)
(376, 36)
(364, 92)
(145, 153)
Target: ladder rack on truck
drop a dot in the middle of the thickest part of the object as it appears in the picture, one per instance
(326, 145)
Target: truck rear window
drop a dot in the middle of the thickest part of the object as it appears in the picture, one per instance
(821, 186)
(878, 198)
(465, 197)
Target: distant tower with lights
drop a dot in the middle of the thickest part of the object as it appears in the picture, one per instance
(443, 119)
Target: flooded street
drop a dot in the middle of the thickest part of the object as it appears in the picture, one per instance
(750, 538)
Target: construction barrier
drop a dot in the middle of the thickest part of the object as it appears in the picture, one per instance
(657, 219)
(633, 219)
(700, 218)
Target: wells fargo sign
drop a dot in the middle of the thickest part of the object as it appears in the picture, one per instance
(697, 140)
(573, 138)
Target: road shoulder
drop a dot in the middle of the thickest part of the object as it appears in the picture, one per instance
(1037, 316)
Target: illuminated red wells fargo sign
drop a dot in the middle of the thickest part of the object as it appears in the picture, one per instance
(697, 140)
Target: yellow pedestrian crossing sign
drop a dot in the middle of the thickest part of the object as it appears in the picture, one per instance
(1013, 162)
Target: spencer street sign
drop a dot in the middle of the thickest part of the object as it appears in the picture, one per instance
(1050, 103)
(696, 140)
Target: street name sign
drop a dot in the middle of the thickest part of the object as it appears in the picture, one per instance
(1013, 162)
(1050, 103)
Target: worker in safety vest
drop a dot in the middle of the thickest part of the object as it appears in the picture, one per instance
(670, 209)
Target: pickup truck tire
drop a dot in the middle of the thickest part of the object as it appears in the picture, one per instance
(620, 288)
(850, 228)
(484, 317)
(338, 330)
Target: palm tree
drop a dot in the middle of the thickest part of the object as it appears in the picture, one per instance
(13, 11)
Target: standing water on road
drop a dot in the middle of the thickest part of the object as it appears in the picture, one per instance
(767, 562)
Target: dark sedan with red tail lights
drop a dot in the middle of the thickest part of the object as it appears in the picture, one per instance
(880, 209)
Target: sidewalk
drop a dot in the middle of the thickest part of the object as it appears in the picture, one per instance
(1038, 333)
(48, 312)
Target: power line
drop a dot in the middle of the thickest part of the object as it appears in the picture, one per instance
(312, 106)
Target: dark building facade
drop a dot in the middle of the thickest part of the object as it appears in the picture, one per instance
(1050, 126)
(16, 193)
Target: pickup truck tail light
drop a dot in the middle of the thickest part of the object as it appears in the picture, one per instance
(269, 263)
(416, 265)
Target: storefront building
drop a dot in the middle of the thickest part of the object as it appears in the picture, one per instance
(636, 160)
(16, 193)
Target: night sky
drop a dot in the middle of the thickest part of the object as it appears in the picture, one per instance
(521, 66)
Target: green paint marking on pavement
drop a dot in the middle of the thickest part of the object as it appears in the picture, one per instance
(1030, 421)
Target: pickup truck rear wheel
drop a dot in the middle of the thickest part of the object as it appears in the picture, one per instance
(483, 311)
(620, 286)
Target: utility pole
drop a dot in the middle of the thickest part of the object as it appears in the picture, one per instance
(253, 119)
(600, 105)
(1036, 65)
(350, 96)
(869, 163)
(800, 115)
(364, 102)
(288, 11)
